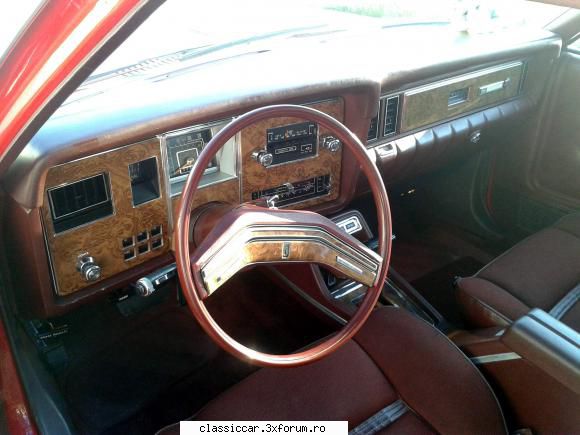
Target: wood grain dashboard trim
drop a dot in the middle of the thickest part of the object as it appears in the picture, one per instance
(102, 239)
(254, 177)
(429, 104)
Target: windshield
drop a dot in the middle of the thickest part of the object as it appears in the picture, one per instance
(185, 24)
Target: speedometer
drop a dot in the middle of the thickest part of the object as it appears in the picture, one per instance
(183, 150)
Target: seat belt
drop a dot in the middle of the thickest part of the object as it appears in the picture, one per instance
(566, 303)
(381, 419)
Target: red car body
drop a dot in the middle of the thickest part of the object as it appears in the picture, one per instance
(53, 46)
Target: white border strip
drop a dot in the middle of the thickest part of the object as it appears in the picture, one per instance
(498, 357)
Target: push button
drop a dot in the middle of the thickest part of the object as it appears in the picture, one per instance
(142, 236)
(125, 243)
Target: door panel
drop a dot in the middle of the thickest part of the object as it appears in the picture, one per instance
(556, 173)
(535, 174)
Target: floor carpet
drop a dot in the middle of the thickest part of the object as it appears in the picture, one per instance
(437, 286)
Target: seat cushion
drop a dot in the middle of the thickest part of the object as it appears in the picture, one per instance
(539, 272)
(395, 357)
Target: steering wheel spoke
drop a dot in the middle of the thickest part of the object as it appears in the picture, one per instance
(251, 235)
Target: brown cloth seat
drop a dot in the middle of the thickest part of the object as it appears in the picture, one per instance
(398, 375)
(542, 271)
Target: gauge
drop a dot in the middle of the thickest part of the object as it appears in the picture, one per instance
(184, 149)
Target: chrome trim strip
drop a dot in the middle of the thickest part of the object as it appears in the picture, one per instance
(205, 184)
(348, 265)
(493, 87)
(498, 357)
(167, 183)
(463, 77)
(49, 255)
(346, 290)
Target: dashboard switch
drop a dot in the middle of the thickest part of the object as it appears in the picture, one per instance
(147, 285)
(155, 231)
(264, 158)
(156, 243)
(128, 242)
(142, 236)
(88, 268)
(144, 287)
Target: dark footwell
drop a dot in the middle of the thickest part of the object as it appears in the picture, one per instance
(139, 374)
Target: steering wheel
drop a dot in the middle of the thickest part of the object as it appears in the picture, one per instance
(251, 234)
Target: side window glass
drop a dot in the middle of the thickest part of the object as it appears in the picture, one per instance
(575, 46)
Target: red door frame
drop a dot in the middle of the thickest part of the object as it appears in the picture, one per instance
(59, 39)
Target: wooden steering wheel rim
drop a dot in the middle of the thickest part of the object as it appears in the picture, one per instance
(190, 281)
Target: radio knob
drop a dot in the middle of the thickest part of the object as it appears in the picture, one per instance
(264, 158)
(331, 143)
(88, 267)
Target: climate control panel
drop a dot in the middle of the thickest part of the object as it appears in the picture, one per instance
(290, 193)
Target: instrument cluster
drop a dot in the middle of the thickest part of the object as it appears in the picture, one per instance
(181, 149)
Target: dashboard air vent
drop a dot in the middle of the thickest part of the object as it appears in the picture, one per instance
(80, 202)
(373, 133)
(391, 115)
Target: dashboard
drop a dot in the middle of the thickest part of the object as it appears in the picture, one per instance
(128, 197)
(109, 212)
(93, 203)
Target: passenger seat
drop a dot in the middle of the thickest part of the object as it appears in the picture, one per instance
(542, 271)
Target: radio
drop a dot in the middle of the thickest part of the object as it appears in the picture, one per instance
(288, 144)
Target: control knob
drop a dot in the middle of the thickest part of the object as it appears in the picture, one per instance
(263, 157)
(144, 287)
(88, 268)
(331, 143)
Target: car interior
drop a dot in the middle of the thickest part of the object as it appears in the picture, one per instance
(378, 225)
